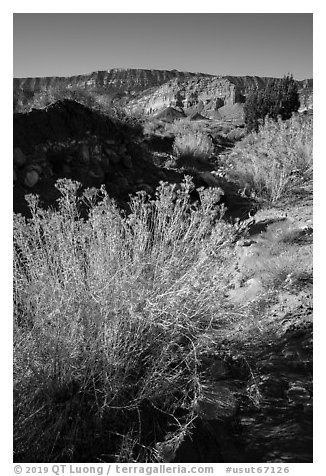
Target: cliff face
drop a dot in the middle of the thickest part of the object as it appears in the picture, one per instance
(147, 92)
(198, 91)
(205, 94)
(124, 81)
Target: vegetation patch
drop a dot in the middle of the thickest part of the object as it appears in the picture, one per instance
(107, 317)
(197, 145)
(273, 162)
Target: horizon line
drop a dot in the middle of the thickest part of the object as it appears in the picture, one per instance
(156, 69)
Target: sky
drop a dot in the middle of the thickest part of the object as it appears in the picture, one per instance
(262, 44)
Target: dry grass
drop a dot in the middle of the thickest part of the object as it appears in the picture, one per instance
(276, 160)
(193, 144)
(107, 316)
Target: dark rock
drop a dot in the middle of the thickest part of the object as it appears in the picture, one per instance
(298, 394)
(62, 128)
(83, 154)
(31, 178)
(243, 242)
(19, 157)
(61, 122)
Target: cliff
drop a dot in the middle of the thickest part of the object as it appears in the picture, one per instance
(114, 81)
(147, 92)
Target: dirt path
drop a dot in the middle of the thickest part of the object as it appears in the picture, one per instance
(257, 402)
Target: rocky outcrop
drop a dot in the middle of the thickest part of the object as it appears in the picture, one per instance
(211, 96)
(68, 140)
(114, 81)
(19, 157)
(197, 91)
(170, 114)
(147, 92)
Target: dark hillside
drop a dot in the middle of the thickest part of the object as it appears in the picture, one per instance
(62, 120)
(70, 140)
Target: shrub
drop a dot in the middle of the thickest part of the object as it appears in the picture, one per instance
(107, 314)
(236, 134)
(196, 144)
(274, 161)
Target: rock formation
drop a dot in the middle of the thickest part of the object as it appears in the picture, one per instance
(69, 140)
(147, 92)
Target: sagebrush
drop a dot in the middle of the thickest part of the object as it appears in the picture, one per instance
(107, 314)
(193, 144)
(274, 161)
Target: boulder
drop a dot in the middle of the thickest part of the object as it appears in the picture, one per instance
(19, 157)
(83, 154)
(249, 291)
(31, 178)
(243, 242)
(298, 394)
